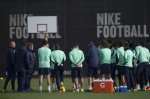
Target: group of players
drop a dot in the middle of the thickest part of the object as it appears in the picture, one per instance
(120, 59)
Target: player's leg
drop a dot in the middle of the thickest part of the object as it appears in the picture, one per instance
(41, 73)
(113, 73)
(142, 80)
(149, 75)
(127, 77)
(76, 80)
(26, 82)
(21, 83)
(48, 72)
(40, 82)
(123, 75)
(30, 78)
(146, 75)
(108, 71)
(18, 81)
(13, 78)
(102, 71)
(8, 77)
(80, 76)
(57, 75)
(131, 79)
(54, 86)
(139, 70)
(73, 79)
(90, 77)
(119, 75)
(61, 75)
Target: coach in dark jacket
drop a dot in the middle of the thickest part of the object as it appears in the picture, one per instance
(93, 60)
(30, 57)
(10, 67)
(20, 61)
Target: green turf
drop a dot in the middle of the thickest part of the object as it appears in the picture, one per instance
(69, 94)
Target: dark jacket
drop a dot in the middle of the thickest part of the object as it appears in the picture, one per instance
(30, 60)
(93, 56)
(20, 59)
(10, 58)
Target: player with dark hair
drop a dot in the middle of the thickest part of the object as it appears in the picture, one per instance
(58, 58)
(30, 57)
(113, 61)
(92, 59)
(105, 60)
(129, 58)
(142, 55)
(76, 57)
(120, 64)
(20, 61)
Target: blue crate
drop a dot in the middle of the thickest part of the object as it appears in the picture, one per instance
(123, 89)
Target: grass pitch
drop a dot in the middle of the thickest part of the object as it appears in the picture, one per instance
(69, 94)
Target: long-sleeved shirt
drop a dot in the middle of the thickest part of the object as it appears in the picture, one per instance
(20, 59)
(76, 56)
(44, 57)
(113, 55)
(57, 57)
(93, 56)
(105, 55)
(11, 58)
(129, 56)
(120, 56)
(142, 54)
(30, 60)
(137, 51)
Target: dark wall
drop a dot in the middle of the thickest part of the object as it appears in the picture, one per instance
(77, 20)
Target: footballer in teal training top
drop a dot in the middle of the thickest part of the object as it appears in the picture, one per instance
(76, 57)
(44, 64)
(142, 55)
(58, 58)
(105, 56)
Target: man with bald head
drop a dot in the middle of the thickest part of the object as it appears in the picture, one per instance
(10, 67)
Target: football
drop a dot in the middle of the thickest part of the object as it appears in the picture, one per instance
(62, 89)
(1, 78)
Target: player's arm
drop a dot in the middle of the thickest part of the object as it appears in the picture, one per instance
(126, 57)
(64, 57)
(82, 59)
(52, 57)
(117, 54)
(71, 58)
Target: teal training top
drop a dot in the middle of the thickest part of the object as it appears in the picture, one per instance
(120, 56)
(137, 51)
(129, 55)
(58, 57)
(113, 55)
(76, 56)
(44, 57)
(142, 54)
(105, 56)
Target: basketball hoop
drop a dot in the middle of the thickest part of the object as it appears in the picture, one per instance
(42, 29)
(42, 25)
